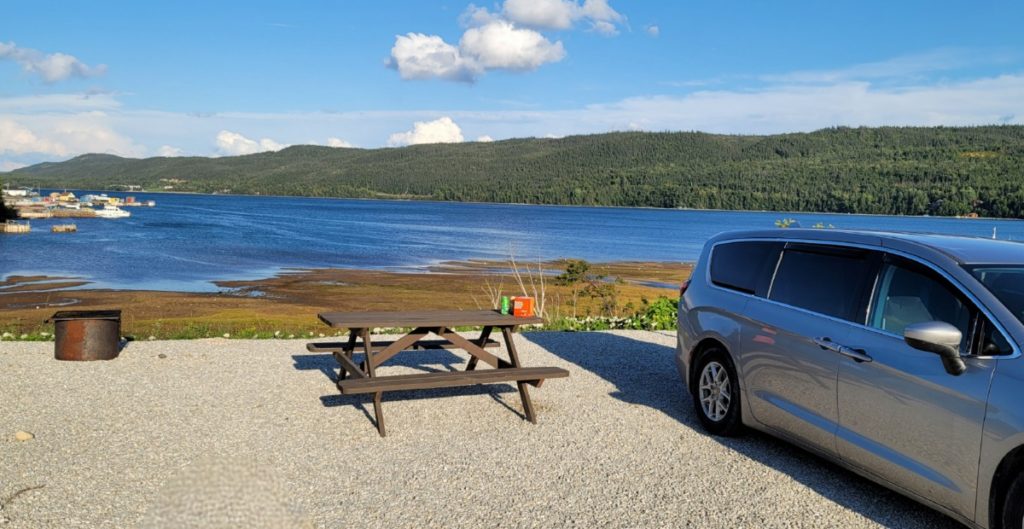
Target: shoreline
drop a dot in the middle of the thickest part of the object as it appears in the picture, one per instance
(591, 206)
(480, 266)
(287, 303)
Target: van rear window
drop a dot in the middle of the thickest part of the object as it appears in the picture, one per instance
(746, 266)
(832, 283)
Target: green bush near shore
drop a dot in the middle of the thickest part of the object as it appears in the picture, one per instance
(658, 315)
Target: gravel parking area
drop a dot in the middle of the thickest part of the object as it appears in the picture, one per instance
(196, 433)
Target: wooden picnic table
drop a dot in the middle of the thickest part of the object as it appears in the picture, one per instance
(362, 377)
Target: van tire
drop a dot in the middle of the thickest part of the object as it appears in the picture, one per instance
(1013, 505)
(729, 423)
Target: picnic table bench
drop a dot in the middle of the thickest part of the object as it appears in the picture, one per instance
(361, 377)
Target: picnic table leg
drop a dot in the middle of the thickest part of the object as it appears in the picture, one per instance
(371, 372)
(524, 393)
(349, 352)
(485, 334)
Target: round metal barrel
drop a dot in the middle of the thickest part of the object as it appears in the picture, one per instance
(87, 335)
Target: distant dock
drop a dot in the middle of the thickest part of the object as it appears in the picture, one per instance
(15, 227)
(28, 204)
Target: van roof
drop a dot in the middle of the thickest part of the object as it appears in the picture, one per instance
(964, 250)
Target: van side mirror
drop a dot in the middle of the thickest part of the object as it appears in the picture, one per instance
(940, 338)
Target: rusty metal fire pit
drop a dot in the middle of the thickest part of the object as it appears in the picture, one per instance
(87, 334)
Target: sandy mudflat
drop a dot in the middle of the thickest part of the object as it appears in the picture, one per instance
(255, 433)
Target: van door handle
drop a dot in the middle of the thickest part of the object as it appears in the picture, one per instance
(827, 344)
(858, 355)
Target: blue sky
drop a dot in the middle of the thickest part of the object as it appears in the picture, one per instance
(217, 78)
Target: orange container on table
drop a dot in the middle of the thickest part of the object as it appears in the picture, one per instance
(522, 306)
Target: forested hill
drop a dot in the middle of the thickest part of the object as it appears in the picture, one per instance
(939, 171)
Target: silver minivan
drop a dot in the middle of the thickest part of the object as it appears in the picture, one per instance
(896, 355)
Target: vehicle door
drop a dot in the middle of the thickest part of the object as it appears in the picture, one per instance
(789, 365)
(902, 417)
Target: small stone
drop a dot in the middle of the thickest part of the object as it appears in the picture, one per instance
(321, 335)
(44, 334)
(151, 338)
(161, 355)
(291, 336)
(22, 435)
(24, 337)
(227, 335)
(277, 333)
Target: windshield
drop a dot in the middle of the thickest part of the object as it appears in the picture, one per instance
(1007, 283)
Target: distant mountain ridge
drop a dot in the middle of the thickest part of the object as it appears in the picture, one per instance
(885, 170)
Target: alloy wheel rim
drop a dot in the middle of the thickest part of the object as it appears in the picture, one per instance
(714, 391)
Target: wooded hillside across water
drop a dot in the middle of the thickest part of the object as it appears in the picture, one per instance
(887, 170)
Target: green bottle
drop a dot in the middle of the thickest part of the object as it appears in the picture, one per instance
(504, 305)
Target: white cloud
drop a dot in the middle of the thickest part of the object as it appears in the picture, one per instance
(495, 45)
(502, 45)
(169, 152)
(18, 139)
(233, 144)
(507, 39)
(548, 14)
(340, 143)
(419, 56)
(50, 67)
(64, 136)
(485, 139)
(563, 14)
(477, 16)
(653, 30)
(441, 130)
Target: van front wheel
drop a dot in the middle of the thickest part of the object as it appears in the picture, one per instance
(716, 393)
(1013, 505)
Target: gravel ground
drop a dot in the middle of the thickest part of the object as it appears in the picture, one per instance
(192, 433)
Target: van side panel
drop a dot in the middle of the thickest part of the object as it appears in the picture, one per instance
(1003, 432)
(706, 313)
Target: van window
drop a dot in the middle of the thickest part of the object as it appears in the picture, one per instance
(1007, 283)
(821, 280)
(908, 294)
(990, 341)
(745, 266)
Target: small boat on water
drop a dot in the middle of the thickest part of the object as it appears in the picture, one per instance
(63, 228)
(112, 212)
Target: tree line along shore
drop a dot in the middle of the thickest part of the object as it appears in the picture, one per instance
(881, 170)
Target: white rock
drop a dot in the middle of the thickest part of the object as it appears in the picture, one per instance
(22, 435)
(227, 335)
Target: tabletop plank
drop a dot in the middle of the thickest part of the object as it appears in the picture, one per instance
(423, 318)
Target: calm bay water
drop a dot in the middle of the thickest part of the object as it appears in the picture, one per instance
(188, 241)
